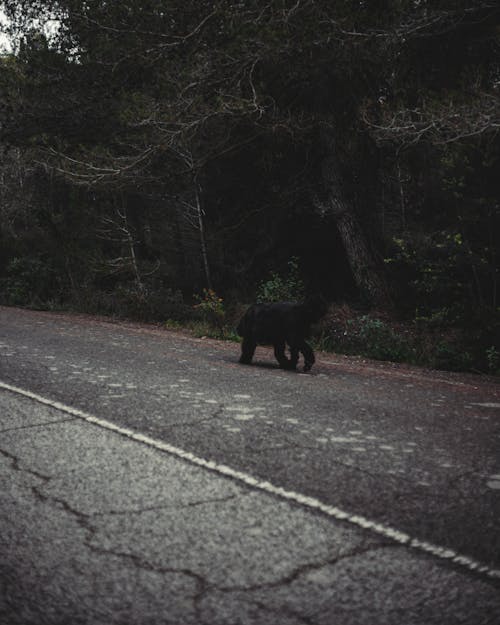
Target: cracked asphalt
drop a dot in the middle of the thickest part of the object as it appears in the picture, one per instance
(96, 527)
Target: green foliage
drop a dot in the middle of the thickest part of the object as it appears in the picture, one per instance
(204, 329)
(126, 301)
(451, 357)
(440, 276)
(346, 331)
(288, 286)
(213, 318)
(493, 359)
(173, 324)
(27, 282)
(211, 308)
(375, 339)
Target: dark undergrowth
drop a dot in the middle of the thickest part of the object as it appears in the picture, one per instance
(435, 341)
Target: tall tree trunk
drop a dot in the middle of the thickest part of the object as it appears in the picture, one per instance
(203, 244)
(366, 274)
(129, 237)
(180, 245)
(366, 271)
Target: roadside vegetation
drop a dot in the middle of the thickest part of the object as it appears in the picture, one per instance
(355, 331)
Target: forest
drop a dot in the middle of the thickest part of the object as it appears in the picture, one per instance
(172, 161)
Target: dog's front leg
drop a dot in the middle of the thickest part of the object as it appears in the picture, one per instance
(279, 352)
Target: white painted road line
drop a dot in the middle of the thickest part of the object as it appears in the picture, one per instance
(333, 512)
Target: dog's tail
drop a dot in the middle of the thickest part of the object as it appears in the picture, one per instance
(240, 328)
(246, 322)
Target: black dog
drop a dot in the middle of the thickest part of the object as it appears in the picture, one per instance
(280, 324)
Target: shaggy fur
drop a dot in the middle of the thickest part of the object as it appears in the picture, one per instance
(281, 324)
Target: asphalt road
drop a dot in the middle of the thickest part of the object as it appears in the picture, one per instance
(173, 485)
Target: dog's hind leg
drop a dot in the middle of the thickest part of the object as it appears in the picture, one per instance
(248, 347)
(294, 356)
(308, 353)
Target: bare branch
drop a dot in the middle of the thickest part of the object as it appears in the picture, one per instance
(438, 124)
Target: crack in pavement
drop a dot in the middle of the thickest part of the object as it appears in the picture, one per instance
(38, 425)
(82, 519)
(402, 538)
(202, 586)
(287, 611)
(303, 569)
(15, 463)
(167, 507)
(85, 522)
(139, 562)
(286, 580)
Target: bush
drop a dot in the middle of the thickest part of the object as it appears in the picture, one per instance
(378, 340)
(211, 308)
(27, 282)
(283, 287)
(346, 331)
(203, 329)
(452, 357)
(166, 303)
(126, 301)
(493, 359)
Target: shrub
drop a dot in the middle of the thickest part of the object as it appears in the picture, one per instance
(452, 357)
(27, 282)
(126, 301)
(378, 340)
(283, 287)
(493, 359)
(345, 331)
(211, 308)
